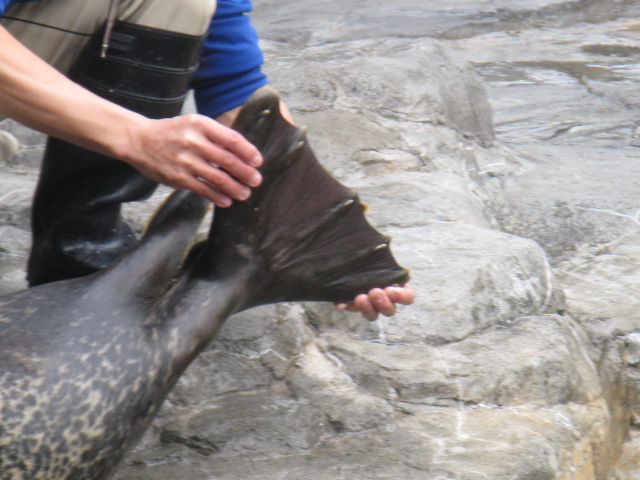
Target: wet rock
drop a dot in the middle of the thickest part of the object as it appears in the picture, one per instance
(406, 199)
(248, 422)
(348, 408)
(279, 329)
(431, 88)
(627, 467)
(534, 361)
(219, 373)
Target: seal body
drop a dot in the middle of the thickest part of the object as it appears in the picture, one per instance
(77, 396)
(81, 375)
(85, 364)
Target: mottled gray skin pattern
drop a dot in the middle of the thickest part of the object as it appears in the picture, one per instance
(85, 364)
(73, 413)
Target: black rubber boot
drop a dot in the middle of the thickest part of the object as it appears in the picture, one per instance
(76, 223)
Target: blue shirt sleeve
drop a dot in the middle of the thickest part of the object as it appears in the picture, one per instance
(230, 64)
(4, 4)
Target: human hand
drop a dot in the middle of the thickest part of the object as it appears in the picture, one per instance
(191, 151)
(379, 300)
(196, 153)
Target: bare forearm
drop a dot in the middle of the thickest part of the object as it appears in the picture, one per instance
(37, 95)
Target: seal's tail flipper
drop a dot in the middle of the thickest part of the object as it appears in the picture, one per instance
(303, 230)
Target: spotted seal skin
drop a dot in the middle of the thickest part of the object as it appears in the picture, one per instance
(85, 364)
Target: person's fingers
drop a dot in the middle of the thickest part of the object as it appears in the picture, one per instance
(220, 181)
(230, 163)
(214, 150)
(349, 307)
(403, 294)
(230, 140)
(202, 188)
(182, 173)
(365, 307)
(381, 302)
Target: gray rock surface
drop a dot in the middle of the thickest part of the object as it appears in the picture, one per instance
(496, 141)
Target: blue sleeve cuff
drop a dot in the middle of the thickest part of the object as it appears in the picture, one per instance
(230, 65)
(228, 92)
(4, 4)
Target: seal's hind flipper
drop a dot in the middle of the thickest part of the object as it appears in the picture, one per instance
(148, 269)
(305, 229)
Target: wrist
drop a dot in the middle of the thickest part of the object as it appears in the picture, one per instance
(125, 142)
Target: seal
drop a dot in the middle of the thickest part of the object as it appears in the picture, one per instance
(85, 364)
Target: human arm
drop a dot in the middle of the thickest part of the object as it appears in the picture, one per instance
(178, 152)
